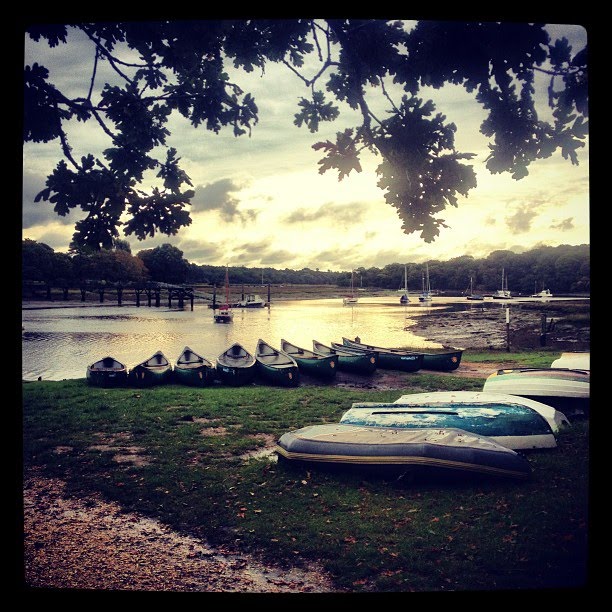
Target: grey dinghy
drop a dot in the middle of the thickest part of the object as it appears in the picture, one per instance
(516, 422)
(420, 452)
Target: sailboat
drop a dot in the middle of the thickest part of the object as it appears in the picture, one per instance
(404, 299)
(503, 293)
(426, 293)
(472, 295)
(350, 299)
(544, 294)
(225, 314)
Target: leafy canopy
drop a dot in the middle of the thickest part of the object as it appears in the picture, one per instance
(174, 66)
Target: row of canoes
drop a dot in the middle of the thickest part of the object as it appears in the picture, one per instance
(280, 366)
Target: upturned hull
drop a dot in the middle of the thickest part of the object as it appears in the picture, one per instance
(517, 423)
(142, 376)
(284, 376)
(114, 378)
(436, 451)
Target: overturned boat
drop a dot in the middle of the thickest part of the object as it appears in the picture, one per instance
(566, 389)
(516, 422)
(392, 451)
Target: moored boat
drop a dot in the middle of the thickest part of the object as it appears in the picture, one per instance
(275, 366)
(107, 372)
(516, 422)
(445, 359)
(390, 451)
(566, 389)
(359, 362)
(236, 366)
(309, 362)
(193, 369)
(153, 371)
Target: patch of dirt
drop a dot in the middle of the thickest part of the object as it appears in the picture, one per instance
(90, 544)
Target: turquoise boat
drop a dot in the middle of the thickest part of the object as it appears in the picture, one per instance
(275, 366)
(444, 359)
(153, 371)
(107, 372)
(236, 366)
(430, 453)
(358, 362)
(516, 422)
(193, 370)
(406, 361)
(309, 362)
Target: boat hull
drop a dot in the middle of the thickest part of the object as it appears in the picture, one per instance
(356, 362)
(107, 372)
(390, 360)
(311, 363)
(445, 360)
(391, 451)
(566, 389)
(143, 376)
(517, 423)
(236, 366)
(284, 376)
(578, 360)
(201, 375)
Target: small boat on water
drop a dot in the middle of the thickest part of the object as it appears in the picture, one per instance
(225, 314)
(236, 366)
(445, 359)
(543, 295)
(574, 360)
(474, 296)
(359, 362)
(516, 422)
(309, 362)
(275, 366)
(426, 294)
(352, 299)
(193, 369)
(404, 299)
(251, 300)
(429, 452)
(566, 389)
(108, 372)
(503, 293)
(153, 371)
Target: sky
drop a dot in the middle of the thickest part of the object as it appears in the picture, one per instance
(260, 201)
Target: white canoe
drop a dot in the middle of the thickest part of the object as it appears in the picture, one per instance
(578, 360)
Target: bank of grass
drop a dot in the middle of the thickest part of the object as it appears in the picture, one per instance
(194, 465)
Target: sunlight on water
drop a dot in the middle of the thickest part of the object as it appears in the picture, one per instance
(59, 343)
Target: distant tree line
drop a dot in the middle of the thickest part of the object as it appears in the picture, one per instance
(562, 269)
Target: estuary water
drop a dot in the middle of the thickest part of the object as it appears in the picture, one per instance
(60, 342)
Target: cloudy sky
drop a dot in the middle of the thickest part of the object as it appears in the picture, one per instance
(261, 202)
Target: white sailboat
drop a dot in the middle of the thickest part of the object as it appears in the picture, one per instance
(472, 295)
(503, 293)
(426, 293)
(351, 299)
(404, 299)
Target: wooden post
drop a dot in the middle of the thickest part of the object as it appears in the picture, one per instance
(157, 298)
(508, 328)
(119, 295)
(268, 294)
(543, 330)
(191, 298)
(137, 297)
(214, 304)
(101, 292)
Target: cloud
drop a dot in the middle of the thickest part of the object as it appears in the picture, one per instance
(217, 196)
(564, 225)
(520, 221)
(348, 214)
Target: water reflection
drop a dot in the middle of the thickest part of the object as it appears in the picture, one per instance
(59, 343)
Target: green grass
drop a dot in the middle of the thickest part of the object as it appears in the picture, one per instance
(370, 533)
